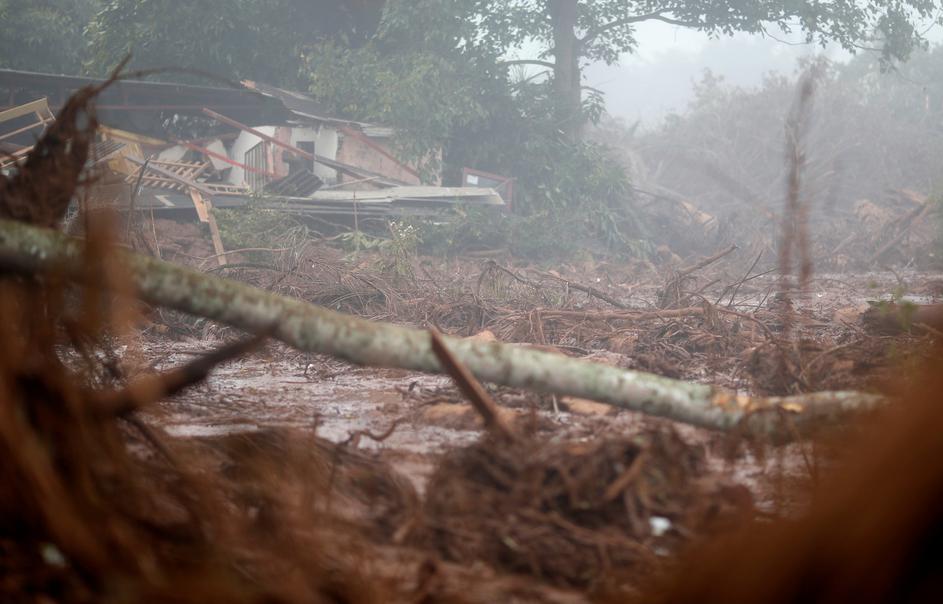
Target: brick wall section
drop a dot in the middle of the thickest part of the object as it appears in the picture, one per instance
(356, 153)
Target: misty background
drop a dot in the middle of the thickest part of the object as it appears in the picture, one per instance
(659, 77)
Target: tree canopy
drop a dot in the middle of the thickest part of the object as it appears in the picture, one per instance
(44, 35)
(576, 32)
(254, 39)
(451, 46)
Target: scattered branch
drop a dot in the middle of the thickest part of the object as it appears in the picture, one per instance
(658, 15)
(906, 223)
(546, 64)
(148, 389)
(588, 289)
(707, 261)
(470, 387)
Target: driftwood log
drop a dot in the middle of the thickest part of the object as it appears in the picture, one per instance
(31, 250)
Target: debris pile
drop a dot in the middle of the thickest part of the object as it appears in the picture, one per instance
(576, 514)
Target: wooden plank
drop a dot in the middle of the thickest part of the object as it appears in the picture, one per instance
(120, 163)
(15, 157)
(173, 165)
(200, 204)
(224, 158)
(186, 170)
(131, 137)
(7, 135)
(168, 174)
(220, 189)
(32, 107)
(200, 169)
(214, 234)
(156, 182)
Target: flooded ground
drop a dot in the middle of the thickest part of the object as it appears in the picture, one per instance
(409, 419)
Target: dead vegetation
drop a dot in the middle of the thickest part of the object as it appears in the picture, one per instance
(98, 504)
(583, 515)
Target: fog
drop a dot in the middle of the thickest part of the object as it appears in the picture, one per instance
(658, 78)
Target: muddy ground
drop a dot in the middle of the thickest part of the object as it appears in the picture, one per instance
(410, 420)
(589, 498)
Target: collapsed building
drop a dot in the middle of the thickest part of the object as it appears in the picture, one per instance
(181, 150)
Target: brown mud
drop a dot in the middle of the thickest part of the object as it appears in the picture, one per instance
(427, 417)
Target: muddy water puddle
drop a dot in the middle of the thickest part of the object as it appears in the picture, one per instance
(342, 403)
(337, 402)
(259, 392)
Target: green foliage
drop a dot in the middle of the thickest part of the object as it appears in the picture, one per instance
(420, 73)
(424, 95)
(399, 251)
(260, 229)
(393, 255)
(163, 33)
(604, 30)
(357, 241)
(448, 90)
(608, 26)
(868, 133)
(44, 35)
(235, 39)
(897, 308)
(569, 197)
(434, 71)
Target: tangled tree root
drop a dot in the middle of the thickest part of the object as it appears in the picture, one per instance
(573, 514)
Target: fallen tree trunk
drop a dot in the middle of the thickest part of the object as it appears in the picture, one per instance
(311, 328)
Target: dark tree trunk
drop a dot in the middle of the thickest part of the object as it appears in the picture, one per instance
(566, 72)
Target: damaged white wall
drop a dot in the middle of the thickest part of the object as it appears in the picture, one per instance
(237, 152)
(325, 144)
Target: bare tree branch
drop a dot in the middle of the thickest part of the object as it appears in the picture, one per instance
(512, 62)
(658, 15)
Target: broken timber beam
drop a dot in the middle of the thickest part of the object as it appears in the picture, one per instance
(32, 250)
(204, 210)
(39, 108)
(197, 186)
